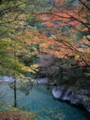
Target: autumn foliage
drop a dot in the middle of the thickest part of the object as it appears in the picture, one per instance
(16, 116)
(76, 18)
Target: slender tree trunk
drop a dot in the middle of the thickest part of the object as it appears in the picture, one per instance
(0, 1)
(15, 95)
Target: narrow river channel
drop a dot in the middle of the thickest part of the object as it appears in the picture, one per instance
(40, 99)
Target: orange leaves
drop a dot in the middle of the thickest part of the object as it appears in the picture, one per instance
(50, 24)
(59, 46)
(63, 49)
(85, 29)
(59, 1)
(74, 24)
(52, 46)
(62, 18)
(66, 15)
(39, 38)
(66, 20)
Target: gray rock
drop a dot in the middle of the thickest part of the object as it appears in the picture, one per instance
(41, 81)
(81, 97)
(53, 83)
(6, 79)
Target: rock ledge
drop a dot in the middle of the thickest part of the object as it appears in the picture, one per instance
(80, 98)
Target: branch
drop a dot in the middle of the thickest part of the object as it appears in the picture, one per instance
(10, 8)
(85, 5)
(71, 47)
(12, 20)
(72, 17)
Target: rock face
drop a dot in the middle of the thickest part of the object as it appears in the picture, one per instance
(41, 81)
(44, 81)
(80, 98)
(7, 79)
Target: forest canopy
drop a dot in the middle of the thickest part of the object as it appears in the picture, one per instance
(58, 28)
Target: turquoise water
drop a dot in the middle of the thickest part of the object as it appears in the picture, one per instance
(40, 99)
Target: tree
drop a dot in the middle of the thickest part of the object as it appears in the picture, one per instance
(14, 44)
(69, 39)
(71, 20)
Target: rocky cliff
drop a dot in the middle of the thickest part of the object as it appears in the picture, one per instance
(80, 98)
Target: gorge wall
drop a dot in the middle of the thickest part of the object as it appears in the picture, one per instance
(80, 98)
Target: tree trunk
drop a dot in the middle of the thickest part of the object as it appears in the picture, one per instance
(15, 103)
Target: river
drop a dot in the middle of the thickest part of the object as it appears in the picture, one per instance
(40, 99)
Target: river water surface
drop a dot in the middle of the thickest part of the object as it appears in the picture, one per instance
(40, 99)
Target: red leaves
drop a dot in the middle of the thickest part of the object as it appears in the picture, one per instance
(13, 116)
(60, 18)
(74, 24)
(59, 1)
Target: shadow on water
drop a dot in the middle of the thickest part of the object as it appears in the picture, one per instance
(84, 113)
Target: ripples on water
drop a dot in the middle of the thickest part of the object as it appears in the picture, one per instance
(40, 99)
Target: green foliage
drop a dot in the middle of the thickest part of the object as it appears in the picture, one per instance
(16, 54)
(76, 37)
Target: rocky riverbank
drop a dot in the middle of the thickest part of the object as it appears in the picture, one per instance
(44, 81)
(41, 81)
(80, 98)
(65, 93)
